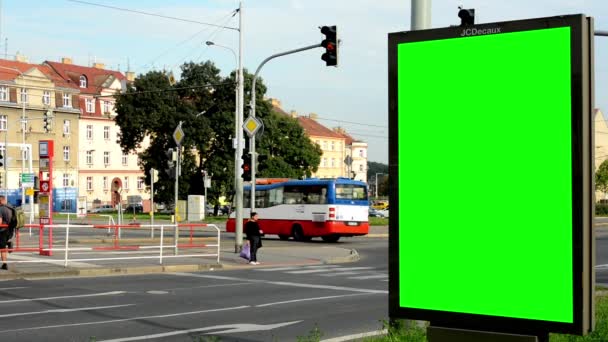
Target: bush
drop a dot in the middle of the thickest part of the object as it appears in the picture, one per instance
(601, 209)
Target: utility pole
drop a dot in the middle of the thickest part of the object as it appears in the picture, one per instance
(421, 15)
(178, 135)
(238, 196)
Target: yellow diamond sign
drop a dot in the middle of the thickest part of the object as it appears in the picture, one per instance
(178, 135)
(252, 125)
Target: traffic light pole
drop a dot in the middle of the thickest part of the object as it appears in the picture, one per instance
(175, 209)
(252, 111)
(238, 184)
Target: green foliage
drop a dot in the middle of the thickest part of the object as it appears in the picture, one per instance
(400, 330)
(153, 107)
(601, 209)
(601, 177)
(313, 336)
(601, 325)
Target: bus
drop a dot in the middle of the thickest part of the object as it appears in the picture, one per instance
(303, 209)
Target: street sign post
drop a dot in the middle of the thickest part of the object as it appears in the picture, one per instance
(489, 99)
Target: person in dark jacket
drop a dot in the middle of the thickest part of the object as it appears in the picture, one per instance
(254, 236)
(5, 217)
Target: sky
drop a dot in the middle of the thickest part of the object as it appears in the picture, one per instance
(353, 96)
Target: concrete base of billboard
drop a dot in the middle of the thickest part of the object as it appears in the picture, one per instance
(438, 334)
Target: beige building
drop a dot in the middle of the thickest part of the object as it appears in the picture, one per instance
(601, 145)
(41, 91)
(356, 153)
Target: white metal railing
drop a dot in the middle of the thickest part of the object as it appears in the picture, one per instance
(116, 245)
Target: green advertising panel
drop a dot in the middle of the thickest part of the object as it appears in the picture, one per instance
(488, 152)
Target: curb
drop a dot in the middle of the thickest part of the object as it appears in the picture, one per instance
(376, 235)
(354, 256)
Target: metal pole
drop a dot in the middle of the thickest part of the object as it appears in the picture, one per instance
(238, 243)
(22, 149)
(176, 229)
(5, 155)
(421, 15)
(252, 139)
(152, 204)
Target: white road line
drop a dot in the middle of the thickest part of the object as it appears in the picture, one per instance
(204, 286)
(375, 276)
(310, 271)
(65, 310)
(63, 297)
(280, 283)
(356, 336)
(601, 266)
(126, 319)
(296, 268)
(309, 299)
(13, 288)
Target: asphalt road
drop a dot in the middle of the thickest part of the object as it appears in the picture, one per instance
(253, 304)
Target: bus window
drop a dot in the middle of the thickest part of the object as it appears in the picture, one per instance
(246, 199)
(293, 195)
(316, 194)
(350, 192)
(261, 199)
(275, 196)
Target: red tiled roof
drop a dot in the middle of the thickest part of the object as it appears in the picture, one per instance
(313, 128)
(95, 76)
(349, 140)
(9, 75)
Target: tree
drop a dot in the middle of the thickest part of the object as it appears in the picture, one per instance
(601, 177)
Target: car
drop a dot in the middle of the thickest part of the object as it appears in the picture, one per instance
(209, 210)
(380, 205)
(134, 208)
(377, 213)
(105, 208)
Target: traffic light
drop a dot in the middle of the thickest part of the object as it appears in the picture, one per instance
(154, 177)
(246, 167)
(330, 43)
(46, 121)
(171, 158)
(260, 164)
(467, 16)
(1, 159)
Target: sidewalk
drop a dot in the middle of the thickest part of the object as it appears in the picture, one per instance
(107, 261)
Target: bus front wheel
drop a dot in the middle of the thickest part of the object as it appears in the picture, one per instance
(298, 234)
(331, 238)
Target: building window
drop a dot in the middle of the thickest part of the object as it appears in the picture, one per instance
(361, 167)
(324, 145)
(106, 158)
(318, 142)
(66, 153)
(66, 180)
(83, 81)
(46, 98)
(90, 183)
(3, 122)
(125, 159)
(23, 95)
(89, 157)
(140, 183)
(90, 105)
(106, 132)
(89, 132)
(333, 162)
(361, 154)
(3, 93)
(67, 100)
(105, 182)
(126, 183)
(66, 127)
(333, 145)
(107, 106)
(324, 164)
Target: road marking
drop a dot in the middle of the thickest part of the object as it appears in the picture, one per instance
(205, 286)
(601, 266)
(308, 299)
(63, 297)
(356, 336)
(228, 329)
(310, 271)
(294, 268)
(65, 310)
(126, 319)
(280, 283)
(13, 288)
(375, 276)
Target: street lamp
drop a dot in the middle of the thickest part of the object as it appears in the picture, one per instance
(238, 150)
(379, 173)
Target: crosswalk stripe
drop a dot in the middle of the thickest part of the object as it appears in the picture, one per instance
(339, 274)
(375, 276)
(309, 271)
(324, 267)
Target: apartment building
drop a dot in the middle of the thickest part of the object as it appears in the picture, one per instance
(29, 91)
(356, 156)
(106, 174)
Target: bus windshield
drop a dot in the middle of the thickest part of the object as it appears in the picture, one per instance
(351, 192)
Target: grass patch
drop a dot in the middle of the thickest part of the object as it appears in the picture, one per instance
(378, 221)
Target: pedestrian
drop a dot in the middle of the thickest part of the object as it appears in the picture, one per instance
(254, 236)
(5, 215)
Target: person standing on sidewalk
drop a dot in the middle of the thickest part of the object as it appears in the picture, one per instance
(254, 236)
(6, 215)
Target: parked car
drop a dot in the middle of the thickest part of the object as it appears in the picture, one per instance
(105, 208)
(376, 213)
(380, 205)
(208, 210)
(134, 207)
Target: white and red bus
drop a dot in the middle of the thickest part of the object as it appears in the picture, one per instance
(303, 209)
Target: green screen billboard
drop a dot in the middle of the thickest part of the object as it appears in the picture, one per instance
(490, 166)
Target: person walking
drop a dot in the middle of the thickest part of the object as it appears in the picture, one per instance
(254, 236)
(6, 215)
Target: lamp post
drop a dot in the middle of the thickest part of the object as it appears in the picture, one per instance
(23, 121)
(238, 150)
(379, 173)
